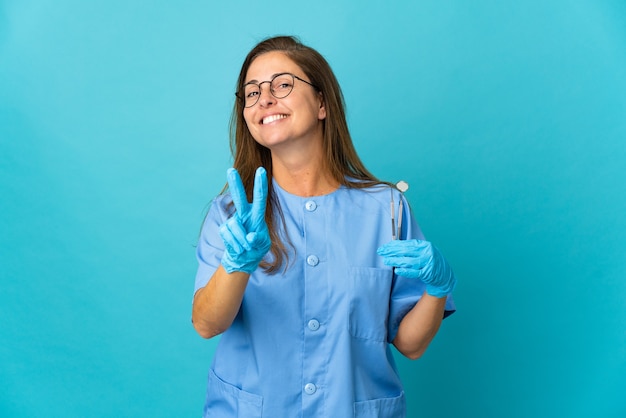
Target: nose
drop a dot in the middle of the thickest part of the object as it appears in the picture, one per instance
(266, 97)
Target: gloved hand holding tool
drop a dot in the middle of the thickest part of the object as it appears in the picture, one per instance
(419, 259)
(245, 234)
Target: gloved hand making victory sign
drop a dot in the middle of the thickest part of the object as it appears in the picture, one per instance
(245, 234)
(419, 259)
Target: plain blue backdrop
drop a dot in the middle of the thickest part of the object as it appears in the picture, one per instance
(508, 119)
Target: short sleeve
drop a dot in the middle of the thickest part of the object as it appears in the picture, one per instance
(406, 292)
(210, 245)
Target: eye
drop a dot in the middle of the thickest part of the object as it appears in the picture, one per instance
(282, 83)
(251, 91)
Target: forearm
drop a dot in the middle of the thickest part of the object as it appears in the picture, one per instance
(420, 325)
(216, 305)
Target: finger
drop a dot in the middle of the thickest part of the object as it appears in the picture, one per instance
(410, 273)
(230, 243)
(394, 247)
(405, 262)
(234, 232)
(398, 262)
(239, 232)
(238, 193)
(258, 240)
(402, 248)
(259, 199)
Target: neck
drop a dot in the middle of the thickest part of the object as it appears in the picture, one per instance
(306, 176)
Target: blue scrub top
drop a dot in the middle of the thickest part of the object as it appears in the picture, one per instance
(314, 340)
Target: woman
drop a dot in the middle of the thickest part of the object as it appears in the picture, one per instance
(304, 283)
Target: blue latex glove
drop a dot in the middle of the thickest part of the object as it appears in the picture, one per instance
(418, 259)
(245, 234)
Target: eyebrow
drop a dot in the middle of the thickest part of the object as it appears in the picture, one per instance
(273, 75)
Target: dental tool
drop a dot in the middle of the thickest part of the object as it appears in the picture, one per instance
(402, 186)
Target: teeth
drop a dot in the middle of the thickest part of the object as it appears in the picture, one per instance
(273, 118)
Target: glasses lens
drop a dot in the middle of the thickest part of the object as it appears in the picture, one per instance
(282, 85)
(251, 93)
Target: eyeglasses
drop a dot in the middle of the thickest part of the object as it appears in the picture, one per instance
(280, 87)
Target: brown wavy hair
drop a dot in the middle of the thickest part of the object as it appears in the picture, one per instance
(341, 159)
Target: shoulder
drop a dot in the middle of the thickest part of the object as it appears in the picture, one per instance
(222, 200)
(370, 196)
(368, 186)
(221, 207)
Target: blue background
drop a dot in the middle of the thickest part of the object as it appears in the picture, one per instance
(506, 118)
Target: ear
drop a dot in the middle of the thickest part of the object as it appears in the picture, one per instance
(321, 115)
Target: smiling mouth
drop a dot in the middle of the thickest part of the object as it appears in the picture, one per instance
(272, 118)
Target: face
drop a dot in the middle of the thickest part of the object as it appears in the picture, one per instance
(279, 122)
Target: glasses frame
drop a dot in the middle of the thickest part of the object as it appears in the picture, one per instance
(243, 97)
